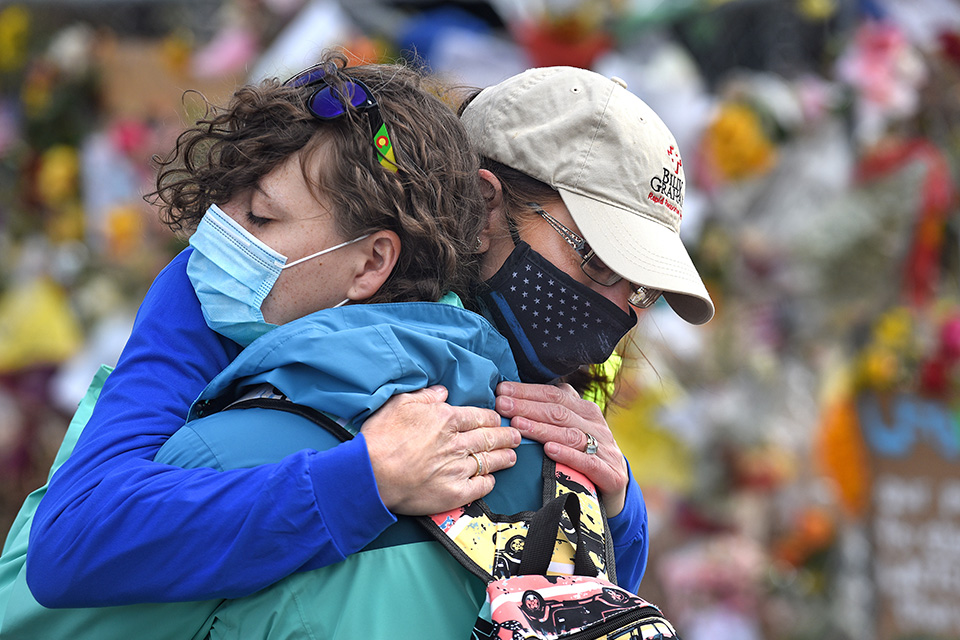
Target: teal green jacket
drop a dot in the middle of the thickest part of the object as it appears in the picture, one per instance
(349, 361)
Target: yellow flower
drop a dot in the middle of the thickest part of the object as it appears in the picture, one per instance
(879, 368)
(894, 329)
(67, 224)
(817, 9)
(14, 33)
(37, 325)
(57, 179)
(736, 145)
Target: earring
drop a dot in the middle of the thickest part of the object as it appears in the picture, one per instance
(479, 243)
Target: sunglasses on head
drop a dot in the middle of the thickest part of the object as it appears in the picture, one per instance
(329, 103)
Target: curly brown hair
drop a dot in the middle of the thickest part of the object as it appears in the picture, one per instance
(432, 202)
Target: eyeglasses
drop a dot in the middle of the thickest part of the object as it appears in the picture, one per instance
(593, 267)
(328, 103)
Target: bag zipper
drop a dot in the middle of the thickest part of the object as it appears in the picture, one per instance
(645, 614)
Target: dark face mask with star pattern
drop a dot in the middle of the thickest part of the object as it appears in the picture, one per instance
(554, 324)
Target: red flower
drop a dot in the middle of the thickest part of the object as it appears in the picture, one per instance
(934, 377)
(950, 46)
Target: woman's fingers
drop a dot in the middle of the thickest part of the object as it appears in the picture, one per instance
(566, 424)
(420, 451)
(556, 405)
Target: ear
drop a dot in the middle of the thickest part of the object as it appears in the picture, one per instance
(492, 191)
(379, 255)
(495, 241)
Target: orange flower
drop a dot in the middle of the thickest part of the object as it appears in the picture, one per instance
(842, 455)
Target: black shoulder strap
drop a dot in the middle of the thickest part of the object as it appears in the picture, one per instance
(544, 531)
(344, 435)
(304, 411)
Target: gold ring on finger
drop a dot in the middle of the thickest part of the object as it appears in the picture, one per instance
(479, 460)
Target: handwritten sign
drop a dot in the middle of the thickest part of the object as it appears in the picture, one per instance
(914, 445)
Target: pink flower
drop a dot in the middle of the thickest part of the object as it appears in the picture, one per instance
(950, 339)
(886, 72)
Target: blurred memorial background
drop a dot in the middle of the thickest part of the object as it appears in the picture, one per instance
(798, 455)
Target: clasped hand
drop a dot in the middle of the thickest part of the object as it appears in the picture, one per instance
(429, 457)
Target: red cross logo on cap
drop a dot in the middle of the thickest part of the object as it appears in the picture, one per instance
(674, 156)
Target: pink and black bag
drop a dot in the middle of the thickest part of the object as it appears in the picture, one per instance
(549, 574)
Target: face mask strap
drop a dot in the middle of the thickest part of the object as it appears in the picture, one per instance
(320, 253)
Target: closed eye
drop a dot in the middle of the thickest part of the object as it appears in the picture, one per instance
(255, 220)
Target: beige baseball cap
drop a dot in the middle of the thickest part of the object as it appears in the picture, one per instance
(613, 161)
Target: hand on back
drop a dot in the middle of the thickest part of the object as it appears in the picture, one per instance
(421, 451)
(560, 419)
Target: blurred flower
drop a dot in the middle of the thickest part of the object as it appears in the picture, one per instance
(762, 468)
(841, 453)
(950, 46)
(124, 231)
(735, 144)
(14, 33)
(38, 87)
(570, 34)
(817, 9)
(879, 368)
(364, 50)
(72, 50)
(935, 378)
(950, 338)
(886, 72)
(37, 325)
(813, 531)
(130, 136)
(894, 329)
(57, 178)
(67, 224)
(913, 351)
(233, 49)
(176, 51)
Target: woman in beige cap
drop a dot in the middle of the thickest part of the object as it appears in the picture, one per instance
(584, 185)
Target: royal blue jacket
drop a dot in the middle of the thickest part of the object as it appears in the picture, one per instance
(112, 518)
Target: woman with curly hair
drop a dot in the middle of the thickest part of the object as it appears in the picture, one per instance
(341, 186)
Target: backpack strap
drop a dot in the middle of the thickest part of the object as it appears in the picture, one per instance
(560, 480)
(322, 419)
(542, 533)
(491, 545)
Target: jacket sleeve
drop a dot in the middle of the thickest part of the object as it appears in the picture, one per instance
(115, 527)
(630, 539)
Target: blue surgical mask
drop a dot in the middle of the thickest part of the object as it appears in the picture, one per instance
(232, 273)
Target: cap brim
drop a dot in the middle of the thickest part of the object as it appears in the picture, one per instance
(642, 251)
